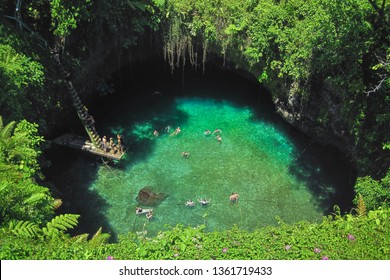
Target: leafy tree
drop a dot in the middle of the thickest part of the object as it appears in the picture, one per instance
(66, 14)
(20, 79)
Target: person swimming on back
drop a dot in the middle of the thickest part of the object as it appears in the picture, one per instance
(190, 203)
(203, 201)
(217, 131)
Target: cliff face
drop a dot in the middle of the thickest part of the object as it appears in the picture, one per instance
(319, 115)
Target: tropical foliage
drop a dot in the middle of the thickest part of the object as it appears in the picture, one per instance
(21, 198)
(348, 238)
(299, 49)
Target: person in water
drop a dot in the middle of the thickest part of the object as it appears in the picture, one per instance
(149, 215)
(217, 131)
(190, 203)
(176, 132)
(185, 154)
(219, 139)
(207, 132)
(155, 133)
(203, 201)
(234, 197)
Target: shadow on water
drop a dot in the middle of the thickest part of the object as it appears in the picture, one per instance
(327, 173)
(72, 173)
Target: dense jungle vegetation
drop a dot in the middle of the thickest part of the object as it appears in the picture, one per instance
(326, 63)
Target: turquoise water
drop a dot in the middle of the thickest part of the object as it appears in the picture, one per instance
(275, 170)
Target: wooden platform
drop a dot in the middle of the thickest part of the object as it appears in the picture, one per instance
(81, 143)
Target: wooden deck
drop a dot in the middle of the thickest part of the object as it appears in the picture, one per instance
(81, 143)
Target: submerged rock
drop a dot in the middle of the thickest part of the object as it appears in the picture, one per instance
(146, 196)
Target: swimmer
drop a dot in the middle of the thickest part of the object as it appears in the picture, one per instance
(155, 133)
(219, 138)
(203, 201)
(185, 154)
(190, 203)
(149, 215)
(207, 132)
(176, 132)
(139, 210)
(234, 197)
(217, 131)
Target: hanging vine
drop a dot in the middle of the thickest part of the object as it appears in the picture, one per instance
(180, 35)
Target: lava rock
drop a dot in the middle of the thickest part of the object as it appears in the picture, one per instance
(146, 196)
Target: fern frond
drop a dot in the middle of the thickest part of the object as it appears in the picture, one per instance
(337, 212)
(24, 228)
(56, 203)
(97, 234)
(361, 207)
(34, 198)
(60, 223)
(6, 132)
(80, 238)
(100, 240)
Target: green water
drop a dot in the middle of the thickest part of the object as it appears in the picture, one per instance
(275, 170)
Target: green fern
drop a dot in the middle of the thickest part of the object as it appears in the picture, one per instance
(6, 131)
(60, 224)
(99, 238)
(80, 238)
(24, 228)
(35, 197)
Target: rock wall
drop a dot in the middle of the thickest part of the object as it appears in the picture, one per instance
(319, 115)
